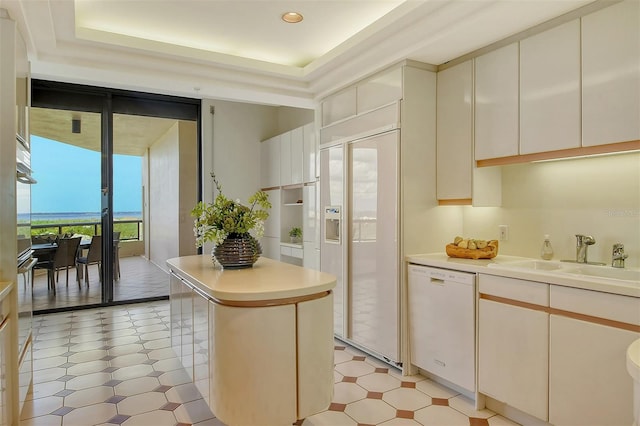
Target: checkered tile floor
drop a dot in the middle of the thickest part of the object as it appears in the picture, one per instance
(115, 366)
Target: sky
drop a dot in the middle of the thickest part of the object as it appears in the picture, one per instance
(69, 179)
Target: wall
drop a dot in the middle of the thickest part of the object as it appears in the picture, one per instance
(598, 196)
(163, 193)
(172, 193)
(292, 118)
(188, 188)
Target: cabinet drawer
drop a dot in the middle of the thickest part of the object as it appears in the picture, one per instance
(370, 123)
(339, 106)
(511, 288)
(594, 303)
(380, 90)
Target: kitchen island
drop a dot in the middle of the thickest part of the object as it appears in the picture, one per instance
(257, 342)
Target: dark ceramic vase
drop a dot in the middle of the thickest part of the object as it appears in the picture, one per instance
(237, 251)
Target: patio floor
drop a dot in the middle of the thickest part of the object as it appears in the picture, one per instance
(139, 279)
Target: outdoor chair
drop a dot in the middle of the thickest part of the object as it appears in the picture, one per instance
(93, 257)
(64, 258)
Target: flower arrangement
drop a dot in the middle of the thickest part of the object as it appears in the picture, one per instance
(215, 222)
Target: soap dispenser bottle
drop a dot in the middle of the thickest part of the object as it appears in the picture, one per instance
(547, 251)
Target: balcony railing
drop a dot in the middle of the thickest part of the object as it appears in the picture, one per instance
(130, 229)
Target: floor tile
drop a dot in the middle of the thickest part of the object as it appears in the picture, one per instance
(406, 399)
(41, 390)
(155, 418)
(49, 420)
(40, 407)
(435, 390)
(88, 396)
(378, 382)
(370, 411)
(193, 412)
(173, 378)
(132, 372)
(354, 368)
(500, 421)
(98, 413)
(136, 386)
(141, 403)
(441, 416)
(88, 381)
(45, 363)
(329, 418)
(129, 360)
(125, 349)
(346, 393)
(87, 367)
(183, 393)
(48, 375)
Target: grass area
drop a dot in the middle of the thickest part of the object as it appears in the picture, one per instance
(128, 231)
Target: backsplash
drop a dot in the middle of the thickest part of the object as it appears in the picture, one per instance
(597, 196)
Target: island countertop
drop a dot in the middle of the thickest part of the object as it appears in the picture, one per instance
(267, 280)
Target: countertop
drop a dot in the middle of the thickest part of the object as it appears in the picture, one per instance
(441, 260)
(267, 280)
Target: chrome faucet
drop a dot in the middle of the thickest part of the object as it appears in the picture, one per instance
(618, 256)
(582, 242)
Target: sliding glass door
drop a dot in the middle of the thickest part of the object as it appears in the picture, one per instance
(121, 169)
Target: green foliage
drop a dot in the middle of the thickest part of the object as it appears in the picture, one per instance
(128, 231)
(295, 232)
(214, 222)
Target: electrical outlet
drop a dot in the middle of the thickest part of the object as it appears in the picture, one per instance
(504, 232)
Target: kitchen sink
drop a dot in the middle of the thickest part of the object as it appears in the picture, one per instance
(606, 272)
(538, 265)
(572, 269)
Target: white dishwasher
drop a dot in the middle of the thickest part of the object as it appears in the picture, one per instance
(442, 323)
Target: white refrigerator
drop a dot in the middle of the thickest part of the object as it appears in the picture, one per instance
(359, 202)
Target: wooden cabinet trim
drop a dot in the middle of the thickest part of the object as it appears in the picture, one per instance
(560, 312)
(563, 153)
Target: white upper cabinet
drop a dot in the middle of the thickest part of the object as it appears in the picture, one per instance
(611, 74)
(550, 90)
(270, 162)
(309, 153)
(496, 103)
(454, 132)
(380, 90)
(285, 159)
(339, 106)
(297, 145)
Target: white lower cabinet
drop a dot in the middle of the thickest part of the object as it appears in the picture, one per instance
(588, 380)
(513, 339)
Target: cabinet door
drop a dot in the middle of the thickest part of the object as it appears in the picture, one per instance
(454, 132)
(296, 160)
(285, 159)
(271, 247)
(175, 305)
(187, 330)
(309, 153)
(496, 103)
(311, 256)
(309, 213)
(513, 357)
(201, 373)
(339, 106)
(550, 90)
(379, 90)
(611, 74)
(588, 380)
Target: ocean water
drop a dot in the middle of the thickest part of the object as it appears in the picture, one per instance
(81, 216)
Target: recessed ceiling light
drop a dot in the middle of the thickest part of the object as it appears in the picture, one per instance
(292, 17)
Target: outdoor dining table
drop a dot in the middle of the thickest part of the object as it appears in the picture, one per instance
(46, 251)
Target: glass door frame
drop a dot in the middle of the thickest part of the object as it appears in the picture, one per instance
(107, 102)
